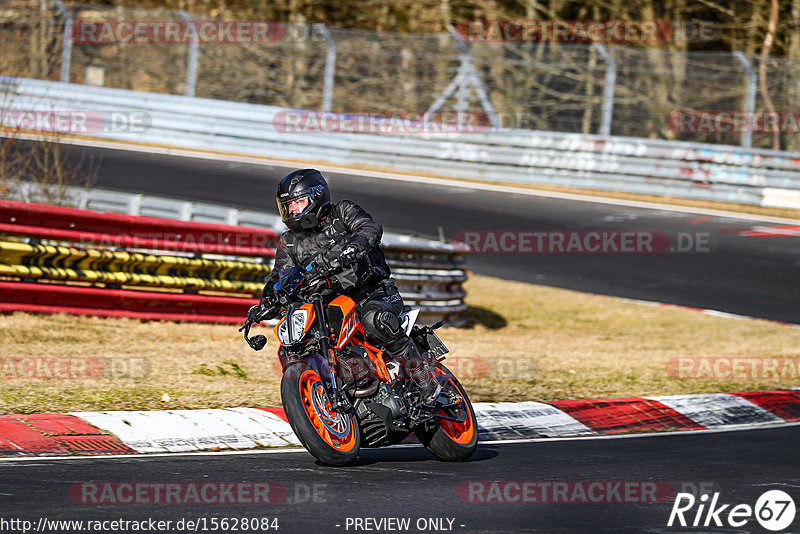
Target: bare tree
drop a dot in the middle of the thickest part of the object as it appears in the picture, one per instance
(35, 165)
(769, 39)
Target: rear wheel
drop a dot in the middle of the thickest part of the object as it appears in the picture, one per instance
(330, 436)
(454, 434)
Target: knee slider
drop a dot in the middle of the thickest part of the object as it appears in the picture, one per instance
(388, 324)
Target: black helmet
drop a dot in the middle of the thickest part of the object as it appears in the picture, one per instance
(293, 191)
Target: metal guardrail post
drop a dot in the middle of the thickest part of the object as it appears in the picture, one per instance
(750, 98)
(330, 66)
(135, 204)
(608, 89)
(66, 46)
(191, 67)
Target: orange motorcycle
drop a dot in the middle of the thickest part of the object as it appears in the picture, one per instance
(341, 392)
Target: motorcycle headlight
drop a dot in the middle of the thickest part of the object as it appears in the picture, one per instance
(298, 325)
(292, 329)
(283, 332)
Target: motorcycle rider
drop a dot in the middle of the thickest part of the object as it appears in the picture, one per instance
(342, 236)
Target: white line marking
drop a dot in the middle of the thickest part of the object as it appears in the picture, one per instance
(479, 186)
(706, 311)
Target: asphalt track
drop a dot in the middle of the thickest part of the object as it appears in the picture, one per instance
(735, 274)
(409, 482)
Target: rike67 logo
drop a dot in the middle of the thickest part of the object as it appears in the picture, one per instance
(774, 510)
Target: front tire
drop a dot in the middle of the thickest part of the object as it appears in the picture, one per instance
(450, 440)
(332, 437)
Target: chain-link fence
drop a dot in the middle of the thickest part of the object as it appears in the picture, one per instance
(586, 88)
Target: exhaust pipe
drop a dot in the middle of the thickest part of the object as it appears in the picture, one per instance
(367, 391)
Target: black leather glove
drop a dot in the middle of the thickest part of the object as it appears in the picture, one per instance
(270, 312)
(349, 255)
(254, 313)
(262, 311)
(315, 270)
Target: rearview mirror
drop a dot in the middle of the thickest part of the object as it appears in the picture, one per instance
(258, 342)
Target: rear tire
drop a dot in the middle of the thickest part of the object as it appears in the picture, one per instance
(331, 437)
(449, 440)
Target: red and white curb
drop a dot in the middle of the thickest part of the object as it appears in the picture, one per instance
(171, 431)
(194, 430)
(767, 231)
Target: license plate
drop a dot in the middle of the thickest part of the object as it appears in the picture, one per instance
(436, 348)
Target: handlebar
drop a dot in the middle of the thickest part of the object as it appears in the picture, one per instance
(312, 285)
(256, 342)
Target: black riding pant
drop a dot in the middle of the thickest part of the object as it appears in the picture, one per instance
(380, 310)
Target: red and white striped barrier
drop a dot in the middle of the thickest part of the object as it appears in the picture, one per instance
(62, 223)
(158, 237)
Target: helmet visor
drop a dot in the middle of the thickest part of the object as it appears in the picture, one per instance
(294, 207)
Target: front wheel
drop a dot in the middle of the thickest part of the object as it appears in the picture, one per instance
(454, 434)
(330, 436)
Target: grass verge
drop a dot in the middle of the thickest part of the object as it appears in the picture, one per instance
(526, 342)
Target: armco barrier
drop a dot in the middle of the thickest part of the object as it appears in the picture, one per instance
(160, 268)
(637, 165)
(105, 302)
(49, 262)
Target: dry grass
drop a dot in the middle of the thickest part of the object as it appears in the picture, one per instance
(573, 345)
(527, 342)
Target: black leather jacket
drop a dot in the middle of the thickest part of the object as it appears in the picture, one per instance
(346, 223)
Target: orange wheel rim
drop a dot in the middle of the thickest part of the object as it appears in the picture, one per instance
(460, 432)
(335, 428)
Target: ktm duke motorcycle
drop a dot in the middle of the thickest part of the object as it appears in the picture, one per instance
(341, 392)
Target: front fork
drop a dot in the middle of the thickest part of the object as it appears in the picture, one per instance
(336, 397)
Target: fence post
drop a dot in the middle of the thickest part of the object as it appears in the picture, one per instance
(463, 86)
(472, 76)
(330, 66)
(454, 84)
(608, 88)
(749, 99)
(191, 67)
(467, 76)
(66, 45)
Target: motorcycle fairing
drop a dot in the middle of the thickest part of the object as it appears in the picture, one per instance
(349, 323)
